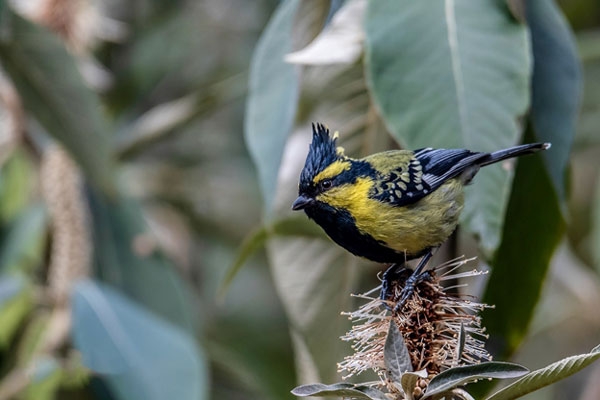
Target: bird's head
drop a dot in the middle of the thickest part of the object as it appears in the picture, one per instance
(325, 168)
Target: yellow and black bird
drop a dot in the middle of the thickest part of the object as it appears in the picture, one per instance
(392, 206)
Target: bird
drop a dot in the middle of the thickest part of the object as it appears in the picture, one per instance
(392, 206)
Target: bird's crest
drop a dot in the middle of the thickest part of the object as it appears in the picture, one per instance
(322, 152)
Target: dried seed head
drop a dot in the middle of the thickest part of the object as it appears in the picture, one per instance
(431, 322)
(71, 239)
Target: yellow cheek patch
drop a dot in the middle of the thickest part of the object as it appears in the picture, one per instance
(351, 196)
(333, 170)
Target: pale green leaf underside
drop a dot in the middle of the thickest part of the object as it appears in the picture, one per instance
(457, 376)
(396, 355)
(546, 376)
(456, 74)
(347, 390)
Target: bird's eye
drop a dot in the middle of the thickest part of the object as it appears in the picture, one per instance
(326, 184)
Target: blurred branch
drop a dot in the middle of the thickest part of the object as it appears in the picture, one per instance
(162, 122)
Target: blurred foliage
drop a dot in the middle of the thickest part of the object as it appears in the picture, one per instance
(153, 100)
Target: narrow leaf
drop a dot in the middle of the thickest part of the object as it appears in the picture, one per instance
(546, 376)
(556, 85)
(52, 90)
(396, 355)
(339, 390)
(436, 83)
(16, 300)
(288, 226)
(521, 264)
(457, 376)
(137, 353)
(23, 244)
(16, 184)
(461, 344)
(254, 241)
(272, 98)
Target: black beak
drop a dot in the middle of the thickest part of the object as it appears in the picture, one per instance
(301, 203)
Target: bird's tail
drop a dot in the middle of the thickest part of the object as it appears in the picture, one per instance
(513, 152)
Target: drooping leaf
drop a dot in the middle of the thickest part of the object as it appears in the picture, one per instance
(272, 98)
(437, 83)
(16, 300)
(339, 390)
(457, 376)
(52, 90)
(118, 227)
(395, 353)
(290, 226)
(528, 242)
(23, 242)
(313, 279)
(546, 376)
(137, 353)
(556, 85)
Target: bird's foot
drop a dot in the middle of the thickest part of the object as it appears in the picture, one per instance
(410, 287)
(395, 273)
(398, 274)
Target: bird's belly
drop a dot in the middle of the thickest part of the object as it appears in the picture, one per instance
(414, 228)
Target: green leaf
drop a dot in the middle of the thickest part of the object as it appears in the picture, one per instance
(462, 337)
(150, 278)
(395, 354)
(140, 355)
(313, 277)
(46, 375)
(437, 83)
(339, 390)
(457, 376)
(556, 86)
(16, 300)
(16, 184)
(546, 376)
(52, 90)
(273, 94)
(528, 242)
(31, 338)
(23, 242)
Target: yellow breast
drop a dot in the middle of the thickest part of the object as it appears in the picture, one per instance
(413, 228)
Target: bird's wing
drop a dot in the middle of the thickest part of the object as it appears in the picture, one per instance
(416, 174)
(439, 165)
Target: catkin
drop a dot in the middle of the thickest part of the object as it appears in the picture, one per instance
(71, 248)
